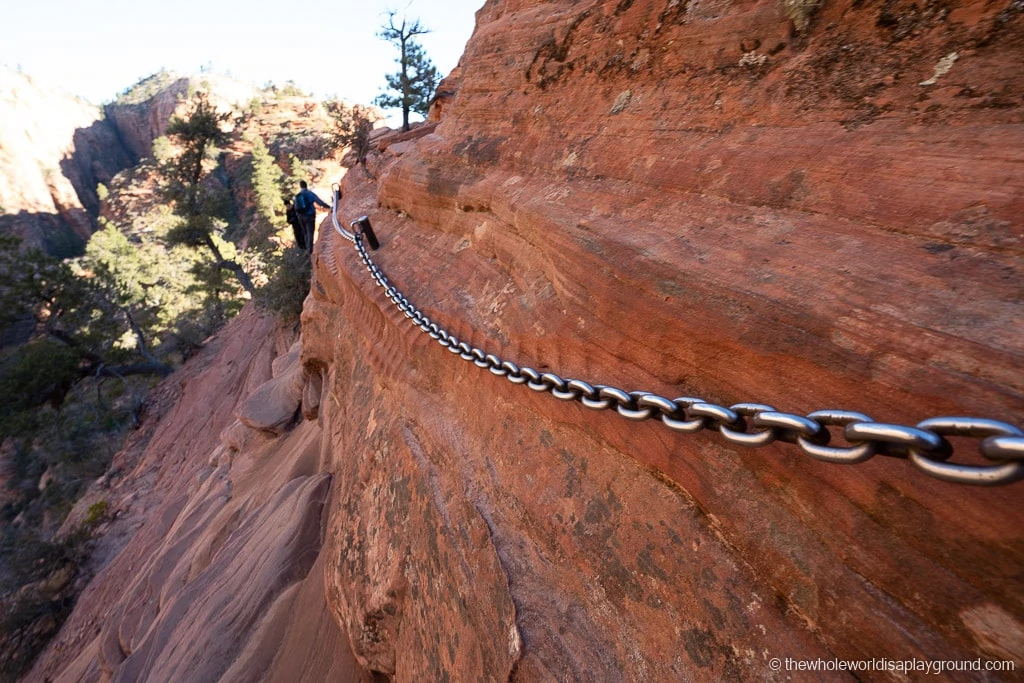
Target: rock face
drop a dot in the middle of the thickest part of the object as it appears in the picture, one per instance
(694, 199)
(54, 150)
(143, 119)
(217, 533)
(738, 201)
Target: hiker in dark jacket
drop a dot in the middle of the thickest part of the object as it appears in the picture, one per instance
(305, 209)
(293, 220)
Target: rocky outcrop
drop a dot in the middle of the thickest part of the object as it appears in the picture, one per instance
(757, 201)
(54, 150)
(142, 113)
(216, 534)
(142, 119)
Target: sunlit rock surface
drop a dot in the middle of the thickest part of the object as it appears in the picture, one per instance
(54, 151)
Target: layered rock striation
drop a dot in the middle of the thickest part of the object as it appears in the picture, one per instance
(757, 201)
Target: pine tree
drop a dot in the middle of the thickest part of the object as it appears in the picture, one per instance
(79, 314)
(268, 183)
(412, 87)
(287, 269)
(198, 202)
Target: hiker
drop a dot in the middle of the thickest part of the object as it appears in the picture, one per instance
(293, 220)
(305, 210)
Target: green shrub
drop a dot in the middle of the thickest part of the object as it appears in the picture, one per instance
(352, 127)
(290, 89)
(287, 284)
(162, 149)
(96, 513)
(256, 107)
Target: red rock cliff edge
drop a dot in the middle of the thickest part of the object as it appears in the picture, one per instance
(692, 199)
(743, 201)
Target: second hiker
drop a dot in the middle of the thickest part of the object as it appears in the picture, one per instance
(293, 220)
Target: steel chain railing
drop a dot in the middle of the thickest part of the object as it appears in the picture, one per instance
(748, 424)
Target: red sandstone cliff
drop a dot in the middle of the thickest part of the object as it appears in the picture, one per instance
(691, 198)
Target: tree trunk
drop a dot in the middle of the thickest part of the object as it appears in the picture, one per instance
(228, 264)
(405, 83)
(243, 277)
(147, 368)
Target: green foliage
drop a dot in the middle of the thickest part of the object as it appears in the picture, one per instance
(86, 316)
(31, 558)
(75, 443)
(120, 270)
(288, 284)
(29, 281)
(412, 87)
(97, 512)
(37, 593)
(300, 170)
(287, 270)
(73, 446)
(62, 307)
(40, 371)
(290, 89)
(268, 183)
(141, 283)
(102, 192)
(352, 127)
(150, 281)
(197, 134)
(255, 107)
(163, 152)
(202, 203)
(218, 293)
(194, 232)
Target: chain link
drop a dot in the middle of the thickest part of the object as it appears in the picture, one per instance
(752, 424)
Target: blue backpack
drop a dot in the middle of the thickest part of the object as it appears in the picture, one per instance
(303, 203)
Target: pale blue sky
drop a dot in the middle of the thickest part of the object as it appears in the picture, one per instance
(96, 49)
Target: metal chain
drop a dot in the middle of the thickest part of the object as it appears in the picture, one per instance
(750, 424)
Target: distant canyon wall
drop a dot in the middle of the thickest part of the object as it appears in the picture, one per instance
(55, 149)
